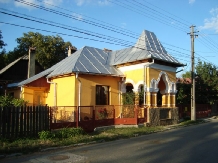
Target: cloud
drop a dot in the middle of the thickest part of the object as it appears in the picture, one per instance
(77, 16)
(80, 2)
(191, 1)
(123, 25)
(48, 3)
(103, 2)
(95, 2)
(25, 5)
(211, 23)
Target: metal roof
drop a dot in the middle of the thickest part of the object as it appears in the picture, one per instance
(39, 75)
(25, 57)
(147, 46)
(89, 60)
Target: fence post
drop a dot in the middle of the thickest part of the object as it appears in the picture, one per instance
(136, 114)
(93, 115)
(1, 121)
(51, 115)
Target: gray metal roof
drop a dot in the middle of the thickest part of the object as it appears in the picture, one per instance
(147, 46)
(87, 60)
(39, 75)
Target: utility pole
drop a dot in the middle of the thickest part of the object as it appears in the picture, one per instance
(193, 109)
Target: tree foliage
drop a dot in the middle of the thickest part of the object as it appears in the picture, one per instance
(208, 73)
(49, 49)
(187, 75)
(2, 52)
(2, 44)
(206, 85)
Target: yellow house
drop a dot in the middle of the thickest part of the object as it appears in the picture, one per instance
(93, 76)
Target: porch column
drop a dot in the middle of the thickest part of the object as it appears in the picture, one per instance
(148, 98)
(154, 99)
(136, 96)
(168, 99)
(164, 101)
(173, 100)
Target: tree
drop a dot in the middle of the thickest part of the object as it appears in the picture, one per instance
(187, 75)
(49, 49)
(3, 52)
(208, 73)
(2, 44)
(206, 86)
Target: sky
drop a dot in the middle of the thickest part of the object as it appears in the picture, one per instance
(116, 24)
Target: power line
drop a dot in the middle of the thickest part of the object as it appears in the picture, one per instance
(159, 13)
(76, 18)
(80, 30)
(142, 13)
(120, 39)
(118, 32)
(126, 30)
(167, 12)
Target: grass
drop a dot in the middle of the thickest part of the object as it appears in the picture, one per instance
(190, 122)
(66, 137)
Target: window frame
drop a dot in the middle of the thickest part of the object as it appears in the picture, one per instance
(99, 93)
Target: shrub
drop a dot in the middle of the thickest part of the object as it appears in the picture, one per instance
(60, 134)
(18, 102)
(10, 101)
(45, 135)
(5, 101)
(69, 132)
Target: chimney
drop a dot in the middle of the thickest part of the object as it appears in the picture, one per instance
(107, 50)
(31, 63)
(71, 50)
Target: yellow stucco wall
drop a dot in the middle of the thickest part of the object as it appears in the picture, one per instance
(135, 75)
(27, 95)
(34, 95)
(88, 90)
(65, 91)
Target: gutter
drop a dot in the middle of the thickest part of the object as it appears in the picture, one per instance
(79, 93)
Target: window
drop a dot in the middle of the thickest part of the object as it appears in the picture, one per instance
(11, 94)
(102, 95)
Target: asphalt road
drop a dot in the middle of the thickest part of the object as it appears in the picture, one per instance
(193, 144)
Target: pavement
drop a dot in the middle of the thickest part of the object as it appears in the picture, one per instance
(60, 154)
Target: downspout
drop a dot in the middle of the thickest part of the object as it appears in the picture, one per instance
(21, 89)
(119, 92)
(55, 92)
(145, 73)
(79, 93)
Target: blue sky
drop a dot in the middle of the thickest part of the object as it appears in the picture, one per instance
(100, 19)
